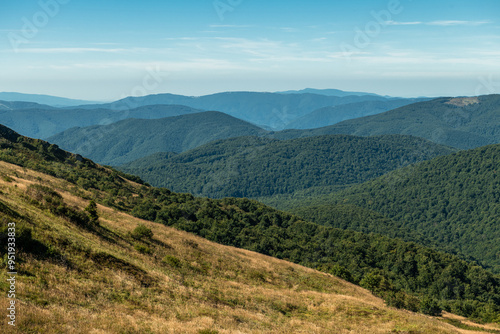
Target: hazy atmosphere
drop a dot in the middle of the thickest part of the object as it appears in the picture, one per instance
(250, 166)
(103, 50)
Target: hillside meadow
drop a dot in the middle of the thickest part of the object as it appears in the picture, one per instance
(102, 279)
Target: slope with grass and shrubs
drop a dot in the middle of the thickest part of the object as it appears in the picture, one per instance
(121, 274)
(406, 275)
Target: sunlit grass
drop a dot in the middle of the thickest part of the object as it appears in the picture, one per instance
(97, 281)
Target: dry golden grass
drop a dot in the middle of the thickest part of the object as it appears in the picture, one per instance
(463, 101)
(210, 289)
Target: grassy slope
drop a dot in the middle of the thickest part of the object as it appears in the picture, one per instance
(248, 224)
(95, 281)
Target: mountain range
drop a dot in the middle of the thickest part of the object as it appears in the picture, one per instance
(458, 122)
(269, 110)
(107, 260)
(41, 122)
(53, 101)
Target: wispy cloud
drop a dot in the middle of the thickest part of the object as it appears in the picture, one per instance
(229, 26)
(106, 43)
(288, 29)
(396, 23)
(457, 23)
(443, 23)
(181, 38)
(208, 64)
(79, 50)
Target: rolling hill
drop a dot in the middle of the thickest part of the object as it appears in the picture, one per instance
(41, 122)
(107, 277)
(456, 122)
(463, 123)
(452, 200)
(270, 110)
(131, 139)
(255, 167)
(16, 105)
(331, 115)
(94, 262)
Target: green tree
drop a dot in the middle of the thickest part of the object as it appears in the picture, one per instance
(430, 306)
(142, 232)
(92, 212)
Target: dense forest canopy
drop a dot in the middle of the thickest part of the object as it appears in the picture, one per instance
(257, 167)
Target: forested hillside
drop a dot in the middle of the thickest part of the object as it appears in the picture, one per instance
(452, 200)
(255, 167)
(458, 122)
(131, 139)
(406, 274)
(335, 114)
(84, 268)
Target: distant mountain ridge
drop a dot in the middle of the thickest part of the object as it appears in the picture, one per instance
(17, 105)
(53, 101)
(43, 121)
(328, 92)
(271, 110)
(463, 123)
(332, 115)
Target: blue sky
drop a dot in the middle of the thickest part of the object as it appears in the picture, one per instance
(105, 50)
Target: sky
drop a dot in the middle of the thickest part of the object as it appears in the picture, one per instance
(106, 50)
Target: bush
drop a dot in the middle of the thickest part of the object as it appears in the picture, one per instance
(172, 261)
(92, 211)
(142, 232)
(430, 306)
(142, 249)
(402, 300)
(376, 282)
(341, 272)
